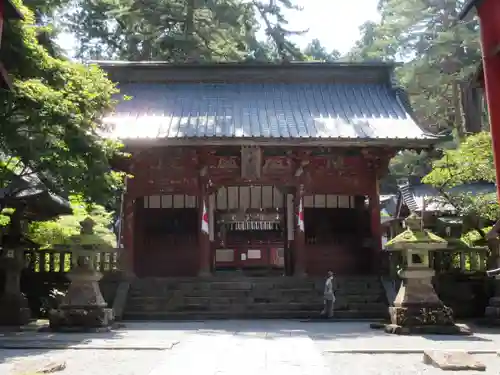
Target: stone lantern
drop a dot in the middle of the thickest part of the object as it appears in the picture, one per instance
(15, 309)
(417, 308)
(83, 308)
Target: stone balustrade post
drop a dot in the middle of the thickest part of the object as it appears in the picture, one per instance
(492, 312)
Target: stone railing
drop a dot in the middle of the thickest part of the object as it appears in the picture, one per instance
(468, 260)
(61, 259)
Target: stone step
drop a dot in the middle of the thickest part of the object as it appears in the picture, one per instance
(275, 281)
(274, 295)
(251, 297)
(213, 315)
(151, 304)
(215, 287)
(247, 285)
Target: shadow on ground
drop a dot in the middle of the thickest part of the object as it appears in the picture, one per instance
(319, 331)
(29, 341)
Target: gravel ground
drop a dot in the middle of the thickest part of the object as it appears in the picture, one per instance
(263, 347)
(398, 364)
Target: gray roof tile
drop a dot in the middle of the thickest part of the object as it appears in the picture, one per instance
(332, 111)
(415, 196)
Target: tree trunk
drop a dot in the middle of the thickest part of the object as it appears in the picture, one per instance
(470, 98)
(458, 117)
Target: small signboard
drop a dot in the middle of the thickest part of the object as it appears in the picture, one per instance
(253, 254)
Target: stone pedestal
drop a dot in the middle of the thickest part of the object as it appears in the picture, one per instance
(83, 308)
(492, 312)
(418, 309)
(14, 309)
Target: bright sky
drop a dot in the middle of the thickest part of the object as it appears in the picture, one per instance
(334, 22)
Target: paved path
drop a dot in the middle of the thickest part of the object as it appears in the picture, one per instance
(241, 347)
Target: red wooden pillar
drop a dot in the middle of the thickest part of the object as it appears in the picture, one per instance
(203, 238)
(299, 238)
(127, 253)
(2, 16)
(489, 21)
(376, 227)
(489, 15)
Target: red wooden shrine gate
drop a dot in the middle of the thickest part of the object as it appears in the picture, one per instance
(489, 20)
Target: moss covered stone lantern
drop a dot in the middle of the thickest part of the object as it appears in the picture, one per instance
(83, 307)
(417, 308)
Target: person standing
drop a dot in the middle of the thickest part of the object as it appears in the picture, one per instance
(329, 296)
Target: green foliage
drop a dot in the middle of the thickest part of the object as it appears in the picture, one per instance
(438, 52)
(51, 119)
(471, 162)
(406, 164)
(472, 237)
(272, 13)
(316, 52)
(62, 231)
(4, 220)
(181, 30)
(168, 30)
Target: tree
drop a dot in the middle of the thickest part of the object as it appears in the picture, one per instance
(315, 51)
(276, 24)
(406, 164)
(168, 30)
(372, 45)
(471, 162)
(180, 30)
(61, 231)
(438, 52)
(51, 129)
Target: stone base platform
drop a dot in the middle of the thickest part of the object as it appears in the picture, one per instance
(421, 320)
(492, 314)
(83, 319)
(395, 329)
(428, 330)
(421, 315)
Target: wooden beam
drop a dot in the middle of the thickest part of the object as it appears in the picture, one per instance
(405, 143)
(11, 11)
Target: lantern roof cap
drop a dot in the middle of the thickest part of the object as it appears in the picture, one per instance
(416, 237)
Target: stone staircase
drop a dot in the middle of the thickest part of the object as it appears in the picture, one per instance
(358, 297)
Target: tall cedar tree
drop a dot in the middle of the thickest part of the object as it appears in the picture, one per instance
(180, 30)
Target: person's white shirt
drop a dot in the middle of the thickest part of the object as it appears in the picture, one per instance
(329, 293)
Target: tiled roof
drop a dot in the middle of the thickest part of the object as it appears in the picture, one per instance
(467, 8)
(409, 198)
(415, 196)
(262, 110)
(388, 203)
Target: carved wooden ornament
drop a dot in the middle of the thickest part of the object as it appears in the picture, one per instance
(251, 163)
